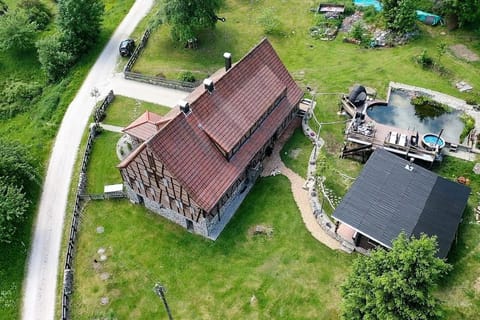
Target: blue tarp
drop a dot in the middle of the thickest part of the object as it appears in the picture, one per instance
(365, 3)
(428, 18)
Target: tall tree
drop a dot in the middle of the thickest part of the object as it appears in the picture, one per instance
(80, 22)
(395, 284)
(187, 17)
(399, 15)
(13, 206)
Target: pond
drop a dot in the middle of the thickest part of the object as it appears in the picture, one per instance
(365, 3)
(401, 114)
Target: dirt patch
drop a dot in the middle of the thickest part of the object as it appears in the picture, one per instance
(462, 52)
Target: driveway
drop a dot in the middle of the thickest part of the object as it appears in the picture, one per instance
(40, 284)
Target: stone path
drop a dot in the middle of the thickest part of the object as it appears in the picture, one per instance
(274, 163)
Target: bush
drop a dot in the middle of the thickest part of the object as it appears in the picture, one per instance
(13, 206)
(424, 59)
(269, 21)
(37, 13)
(469, 123)
(16, 32)
(54, 58)
(370, 15)
(187, 76)
(17, 96)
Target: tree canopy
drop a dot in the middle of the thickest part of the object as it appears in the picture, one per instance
(80, 22)
(467, 11)
(399, 15)
(16, 173)
(13, 206)
(187, 17)
(395, 284)
(16, 31)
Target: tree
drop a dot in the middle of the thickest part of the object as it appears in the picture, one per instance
(80, 22)
(55, 59)
(399, 15)
(16, 164)
(37, 12)
(187, 17)
(395, 284)
(16, 32)
(464, 12)
(13, 206)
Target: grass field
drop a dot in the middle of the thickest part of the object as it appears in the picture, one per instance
(36, 129)
(290, 275)
(124, 110)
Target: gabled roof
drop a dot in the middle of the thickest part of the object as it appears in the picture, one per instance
(387, 199)
(189, 144)
(146, 125)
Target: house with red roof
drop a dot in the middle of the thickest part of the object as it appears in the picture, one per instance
(195, 165)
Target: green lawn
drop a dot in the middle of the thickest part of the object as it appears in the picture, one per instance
(291, 275)
(36, 128)
(296, 152)
(124, 110)
(102, 165)
(460, 291)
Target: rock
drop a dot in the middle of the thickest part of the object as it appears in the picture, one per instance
(253, 300)
(104, 300)
(101, 251)
(103, 257)
(105, 276)
(100, 229)
(476, 168)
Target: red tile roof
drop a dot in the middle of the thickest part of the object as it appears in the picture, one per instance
(242, 95)
(146, 125)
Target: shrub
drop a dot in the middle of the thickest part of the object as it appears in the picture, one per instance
(13, 206)
(469, 123)
(269, 21)
(54, 58)
(424, 59)
(16, 32)
(17, 96)
(357, 30)
(37, 12)
(187, 76)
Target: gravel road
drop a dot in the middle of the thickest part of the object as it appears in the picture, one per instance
(41, 279)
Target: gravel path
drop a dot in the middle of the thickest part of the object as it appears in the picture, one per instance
(42, 269)
(273, 163)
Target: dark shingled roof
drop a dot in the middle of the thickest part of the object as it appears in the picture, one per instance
(387, 199)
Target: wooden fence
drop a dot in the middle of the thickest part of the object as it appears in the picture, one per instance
(80, 198)
(159, 81)
(101, 111)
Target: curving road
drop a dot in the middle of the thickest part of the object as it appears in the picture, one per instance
(41, 278)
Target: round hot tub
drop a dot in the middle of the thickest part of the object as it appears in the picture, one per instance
(432, 142)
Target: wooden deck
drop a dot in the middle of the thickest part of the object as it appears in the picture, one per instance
(368, 132)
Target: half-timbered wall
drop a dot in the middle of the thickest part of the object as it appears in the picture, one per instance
(148, 182)
(151, 184)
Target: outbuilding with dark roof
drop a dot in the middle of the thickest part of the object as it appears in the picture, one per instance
(392, 195)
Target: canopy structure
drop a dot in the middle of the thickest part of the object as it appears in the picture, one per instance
(428, 18)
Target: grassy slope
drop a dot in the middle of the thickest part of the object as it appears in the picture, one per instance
(291, 274)
(36, 129)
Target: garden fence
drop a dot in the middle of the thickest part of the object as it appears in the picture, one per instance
(159, 81)
(68, 272)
